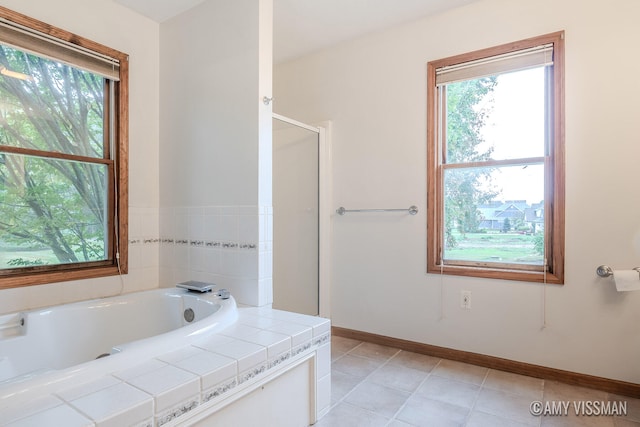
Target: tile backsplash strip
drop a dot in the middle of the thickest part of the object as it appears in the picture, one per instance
(231, 246)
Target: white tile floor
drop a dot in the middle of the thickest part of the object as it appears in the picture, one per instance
(373, 385)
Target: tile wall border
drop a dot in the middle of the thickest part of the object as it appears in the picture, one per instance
(215, 244)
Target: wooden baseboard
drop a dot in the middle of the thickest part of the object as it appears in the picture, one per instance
(543, 372)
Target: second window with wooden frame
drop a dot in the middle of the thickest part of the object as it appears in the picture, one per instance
(496, 162)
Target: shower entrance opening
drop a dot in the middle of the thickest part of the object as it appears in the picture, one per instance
(300, 193)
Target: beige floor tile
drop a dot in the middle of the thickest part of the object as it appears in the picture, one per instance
(623, 422)
(374, 351)
(345, 415)
(335, 355)
(398, 423)
(572, 420)
(515, 384)
(341, 384)
(343, 345)
(417, 361)
(377, 398)
(506, 405)
(554, 391)
(482, 419)
(633, 406)
(355, 365)
(426, 412)
(372, 383)
(398, 377)
(460, 371)
(449, 391)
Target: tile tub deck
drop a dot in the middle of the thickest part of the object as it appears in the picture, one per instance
(161, 390)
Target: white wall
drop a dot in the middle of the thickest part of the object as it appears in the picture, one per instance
(108, 23)
(374, 91)
(215, 147)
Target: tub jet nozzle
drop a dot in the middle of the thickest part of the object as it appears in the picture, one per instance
(189, 315)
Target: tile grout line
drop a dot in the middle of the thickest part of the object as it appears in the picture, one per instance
(343, 398)
(483, 386)
(475, 401)
(413, 393)
(332, 406)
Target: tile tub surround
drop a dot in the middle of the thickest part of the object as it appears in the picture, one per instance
(231, 246)
(191, 379)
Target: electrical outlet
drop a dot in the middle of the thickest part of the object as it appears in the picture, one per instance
(465, 299)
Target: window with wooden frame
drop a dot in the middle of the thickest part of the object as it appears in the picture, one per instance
(495, 136)
(63, 155)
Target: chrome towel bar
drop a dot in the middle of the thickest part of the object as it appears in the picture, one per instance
(412, 210)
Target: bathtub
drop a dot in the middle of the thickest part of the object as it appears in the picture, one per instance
(166, 357)
(48, 348)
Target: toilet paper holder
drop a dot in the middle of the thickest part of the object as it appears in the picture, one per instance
(606, 271)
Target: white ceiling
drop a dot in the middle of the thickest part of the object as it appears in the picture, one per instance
(159, 10)
(303, 26)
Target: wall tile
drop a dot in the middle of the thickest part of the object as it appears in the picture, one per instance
(323, 393)
(248, 228)
(226, 244)
(195, 223)
(227, 228)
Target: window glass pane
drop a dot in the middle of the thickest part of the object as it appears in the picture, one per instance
(51, 211)
(498, 117)
(495, 214)
(49, 106)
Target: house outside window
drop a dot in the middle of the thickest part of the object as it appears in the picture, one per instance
(63, 155)
(496, 162)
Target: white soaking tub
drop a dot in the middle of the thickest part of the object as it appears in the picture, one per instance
(137, 360)
(47, 346)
